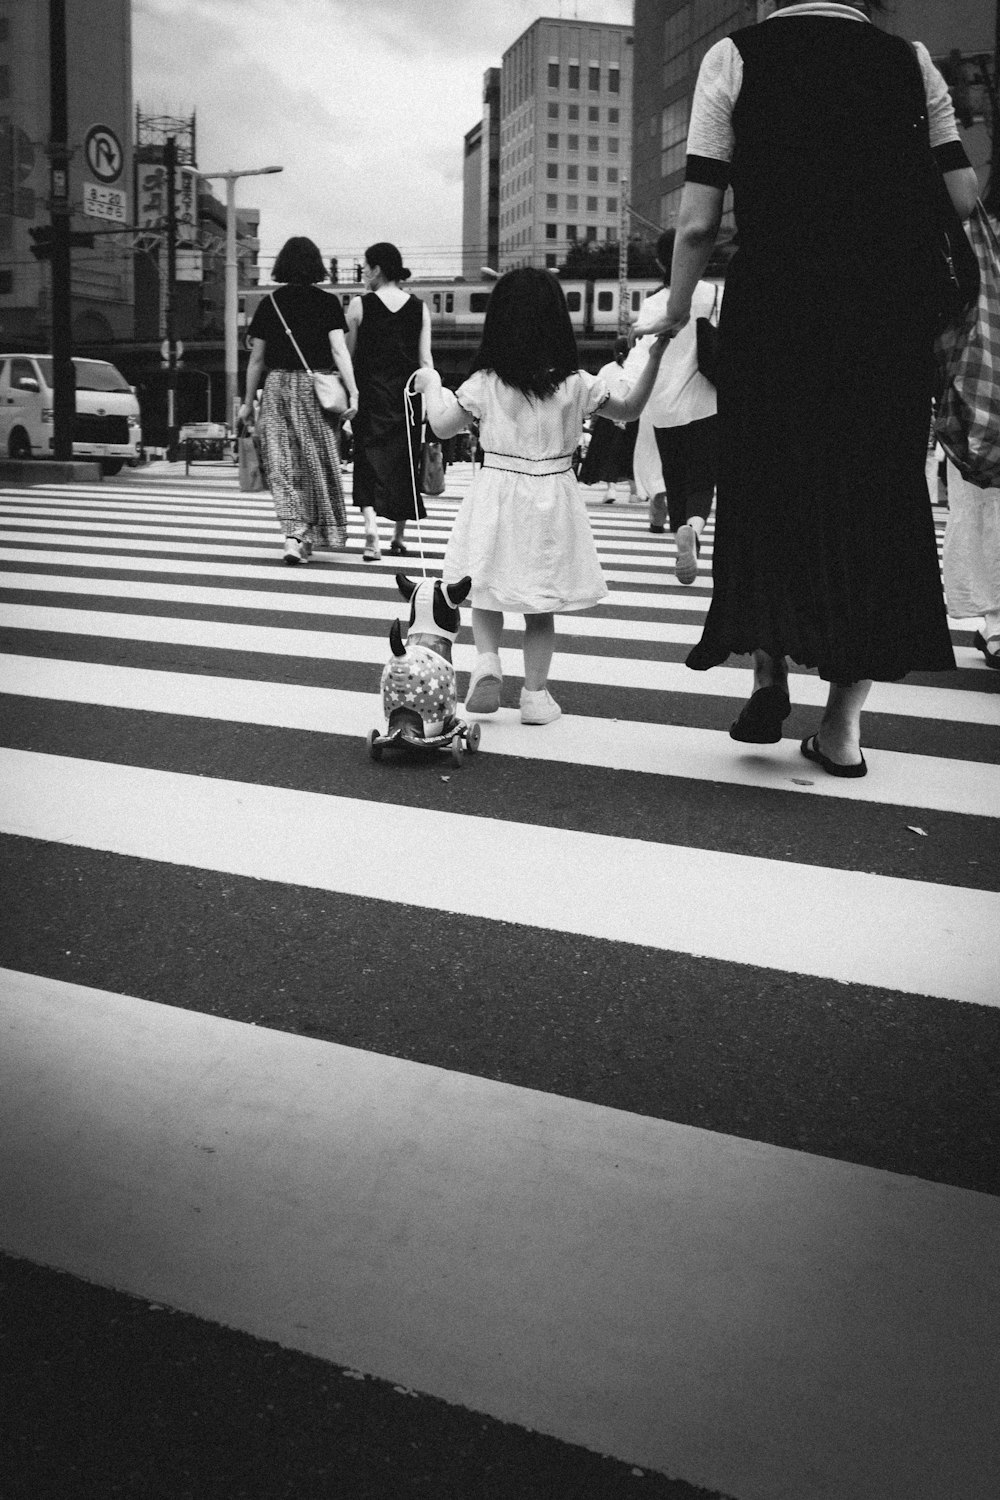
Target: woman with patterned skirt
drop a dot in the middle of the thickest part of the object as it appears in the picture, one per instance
(298, 440)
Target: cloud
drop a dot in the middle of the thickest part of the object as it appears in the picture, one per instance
(365, 105)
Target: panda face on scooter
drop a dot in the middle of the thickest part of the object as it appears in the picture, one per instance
(418, 681)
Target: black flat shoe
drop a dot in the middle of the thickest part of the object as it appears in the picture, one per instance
(992, 658)
(397, 549)
(761, 717)
(810, 749)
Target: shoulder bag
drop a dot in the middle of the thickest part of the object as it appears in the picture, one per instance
(331, 392)
(706, 334)
(432, 481)
(968, 407)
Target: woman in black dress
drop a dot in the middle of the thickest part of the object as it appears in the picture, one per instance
(389, 336)
(824, 544)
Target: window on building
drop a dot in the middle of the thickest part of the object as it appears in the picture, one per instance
(593, 143)
(614, 80)
(613, 144)
(552, 141)
(4, 29)
(550, 232)
(553, 111)
(4, 81)
(572, 143)
(612, 117)
(572, 173)
(612, 174)
(574, 301)
(591, 231)
(572, 203)
(551, 261)
(551, 200)
(673, 137)
(594, 114)
(553, 75)
(593, 77)
(571, 232)
(591, 205)
(572, 111)
(573, 72)
(592, 174)
(6, 283)
(552, 169)
(605, 301)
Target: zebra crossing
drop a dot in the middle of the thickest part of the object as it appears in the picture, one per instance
(626, 1085)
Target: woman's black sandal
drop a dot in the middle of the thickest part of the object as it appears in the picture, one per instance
(762, 716)
(810, 749)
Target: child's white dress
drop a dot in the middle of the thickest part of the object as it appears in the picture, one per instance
(522, 533)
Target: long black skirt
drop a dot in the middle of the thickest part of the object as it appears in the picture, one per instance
(825, 549)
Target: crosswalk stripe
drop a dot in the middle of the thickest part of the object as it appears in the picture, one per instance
(784, 916)
(886, 697)
(937, 783)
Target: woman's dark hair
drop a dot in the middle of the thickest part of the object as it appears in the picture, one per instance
(388, 260)
(528, 339)
(299, 260)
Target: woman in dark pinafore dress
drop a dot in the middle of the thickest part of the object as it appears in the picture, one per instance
(824, 545)
(389, 336)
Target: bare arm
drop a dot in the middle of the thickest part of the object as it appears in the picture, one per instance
(425, 342)
(627, 408)
(353, 324)
(341, 358)
(255, 373)
(442, 407)
(963, 189)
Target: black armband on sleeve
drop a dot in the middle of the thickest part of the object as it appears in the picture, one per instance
(951, 156)
(707, 171)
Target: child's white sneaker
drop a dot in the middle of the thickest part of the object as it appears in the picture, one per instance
(538, 708)
(485, 681)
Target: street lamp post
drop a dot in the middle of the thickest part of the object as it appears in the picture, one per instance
(232, 283)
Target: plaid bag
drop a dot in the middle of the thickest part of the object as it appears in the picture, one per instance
(968, 409)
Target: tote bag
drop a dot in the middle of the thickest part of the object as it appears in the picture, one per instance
(968, 411)
(432, 469)
(250, 470)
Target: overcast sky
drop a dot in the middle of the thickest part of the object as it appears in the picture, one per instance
(363, 102)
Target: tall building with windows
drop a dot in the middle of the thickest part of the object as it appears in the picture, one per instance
(565, 105)
(481, 184)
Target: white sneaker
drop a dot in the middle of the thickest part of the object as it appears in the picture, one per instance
(686, 566)
(538, 708)
(485, 681)
(294, 552)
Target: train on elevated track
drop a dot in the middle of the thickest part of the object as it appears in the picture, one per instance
(458, 308)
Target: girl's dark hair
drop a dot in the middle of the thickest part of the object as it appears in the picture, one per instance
(388, 260)
(528, 339)
(299, 260)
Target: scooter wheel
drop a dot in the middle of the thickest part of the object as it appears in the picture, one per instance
(456, 751)
(374, 748)
(472, 737)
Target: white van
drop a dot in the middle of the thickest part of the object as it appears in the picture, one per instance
(106, 426)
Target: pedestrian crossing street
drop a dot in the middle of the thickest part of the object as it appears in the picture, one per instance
(624, 1084)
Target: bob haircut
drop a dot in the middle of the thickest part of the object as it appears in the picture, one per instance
(528, 339)
(299, 261)
(388, 260)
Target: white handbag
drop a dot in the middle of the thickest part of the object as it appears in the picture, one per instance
(331, 393)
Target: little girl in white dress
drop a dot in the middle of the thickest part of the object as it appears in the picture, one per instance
(522, 533)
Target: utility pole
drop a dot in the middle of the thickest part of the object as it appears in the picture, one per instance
(170, 162)
(63, 379)
(623, 225)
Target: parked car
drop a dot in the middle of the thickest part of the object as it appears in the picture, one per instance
(106, 425)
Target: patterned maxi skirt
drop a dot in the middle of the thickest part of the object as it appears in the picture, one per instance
(301, 460)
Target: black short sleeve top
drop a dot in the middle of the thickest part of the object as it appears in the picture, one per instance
(311, 314)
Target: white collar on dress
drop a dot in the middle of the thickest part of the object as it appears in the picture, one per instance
(821, 8)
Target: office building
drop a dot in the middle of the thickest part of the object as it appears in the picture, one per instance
(565, 100)
(481, 184)
(99, 64)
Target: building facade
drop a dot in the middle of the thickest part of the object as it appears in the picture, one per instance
(481, 184)
(672, 37)
(565, 102)
(99, 64)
